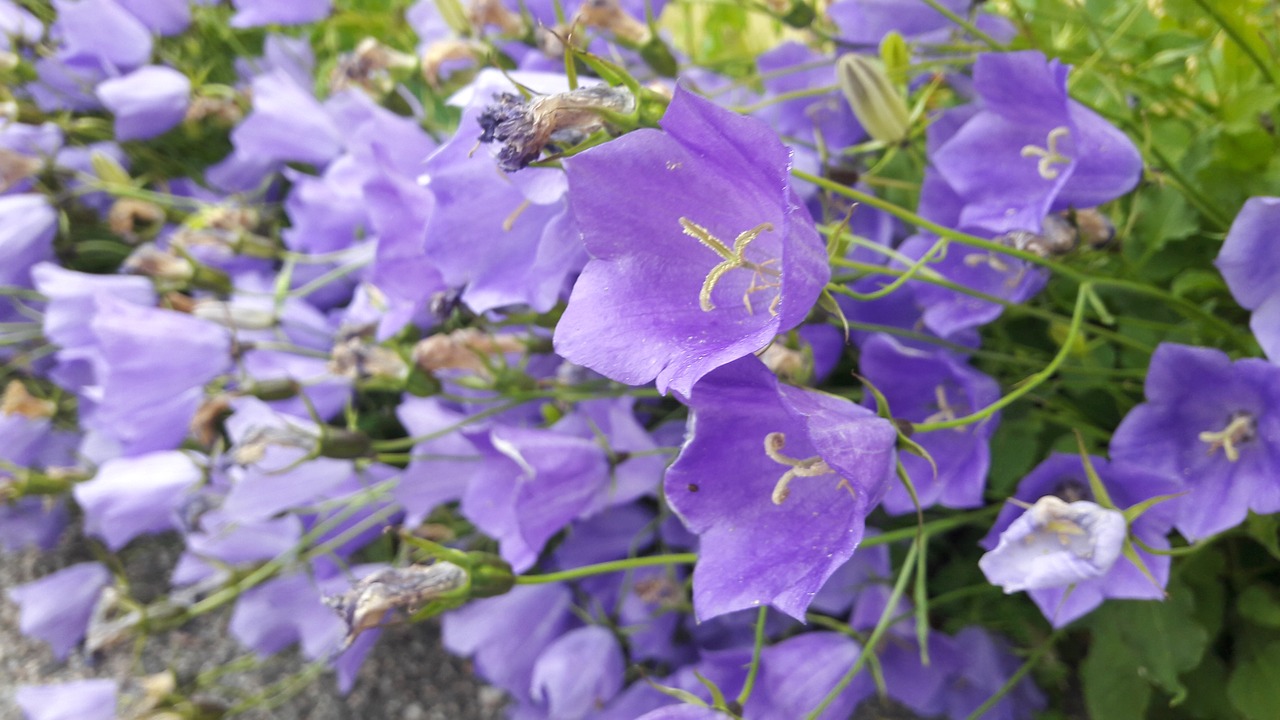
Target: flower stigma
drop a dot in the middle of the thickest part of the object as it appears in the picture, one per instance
(732, 260)
(1049, 155)
(1241, 428)
(808, 467)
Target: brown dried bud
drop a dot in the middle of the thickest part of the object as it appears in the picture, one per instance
(562, 119)
(208, 418)
(16, 167)
(439, 53)
(609, 15)
(395, 591)
(492, 12)
(130, 217)
(463, 350)
(17, 401)
(224, 111)
(368, 68)
(787, 363)
(149, 260)
(357, 359)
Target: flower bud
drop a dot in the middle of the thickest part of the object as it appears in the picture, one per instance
(875, 100)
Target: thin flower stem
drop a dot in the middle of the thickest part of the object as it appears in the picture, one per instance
(1267, 68)
(1023, 308)
(1017, 676)
(1187, 308)
(882, 626)
(784, 97)
(754, 668)
(933, 527)
(608, 567)
(1033, 381)
(964, 23)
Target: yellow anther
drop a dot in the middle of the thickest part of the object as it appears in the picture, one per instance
(1241, 429)
(732, 259)
(808, 467)
(1049, 156)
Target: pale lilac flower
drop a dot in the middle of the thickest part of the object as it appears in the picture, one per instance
(132, 496)
(56, 608)
(77, 700)
(147, 102)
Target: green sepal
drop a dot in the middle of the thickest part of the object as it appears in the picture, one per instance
(1100, 494)
(659, 57)
(1133, 512)
(800, 15)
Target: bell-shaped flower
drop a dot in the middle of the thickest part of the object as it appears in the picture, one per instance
(136, 495)
(922, 387)
(529, 484)
(1032, 150)
(1055, 543)
(163, 17)
(777, 482)
(147, 102)
(287, 124)
(101, 31)
(57, 607)
(578, 673)
(1063, 476)
(700, 251)
(1213, 425)
(254, 13)
(1250, 263)
(797, 673)
(77, 700)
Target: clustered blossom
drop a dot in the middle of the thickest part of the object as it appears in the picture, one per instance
(595, 322)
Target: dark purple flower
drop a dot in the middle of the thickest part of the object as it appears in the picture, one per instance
(529, 484)
(102, 31)
(1031, 149)
(77, 700)
(504, 239)
(577, 673)
(147, 102)
(56, 608)
(504, 635)
(132, 496)
(283, 611)
(797, 673)
(163, 17)
(777, 482)
(27, 225)
(701, 253)
(924, 387)
(287, 124)
(252, 13)
(1062, 476)
(1250, 264)
(1214, 425)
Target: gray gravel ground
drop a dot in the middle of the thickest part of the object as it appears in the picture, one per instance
(408, 675)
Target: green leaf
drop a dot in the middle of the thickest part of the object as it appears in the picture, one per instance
(1253, 683)
(1266, 530)
(1260, 604)
(1113, 689)
(1153, 641)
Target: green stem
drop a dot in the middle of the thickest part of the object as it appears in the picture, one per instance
(754, 668)
(608, 567)
(868, 649)
(1032, 382)
(1234, 33)
(933, 527)
(964, 23)
(1015, 678)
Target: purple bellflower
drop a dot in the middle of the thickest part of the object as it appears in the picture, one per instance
(1214, 425)
(777, 482)
(147, 102)
(163, 17)
(136, 495)
(56, 608)
(1031, 150)
(78, 700)
(700, 252)
(253, 13)
(1066, 585)
(924, 387)
(577, 673)
(797, 673)
(1250, 264)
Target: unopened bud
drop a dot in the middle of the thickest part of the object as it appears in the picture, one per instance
(357, 359)
(875, 100)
